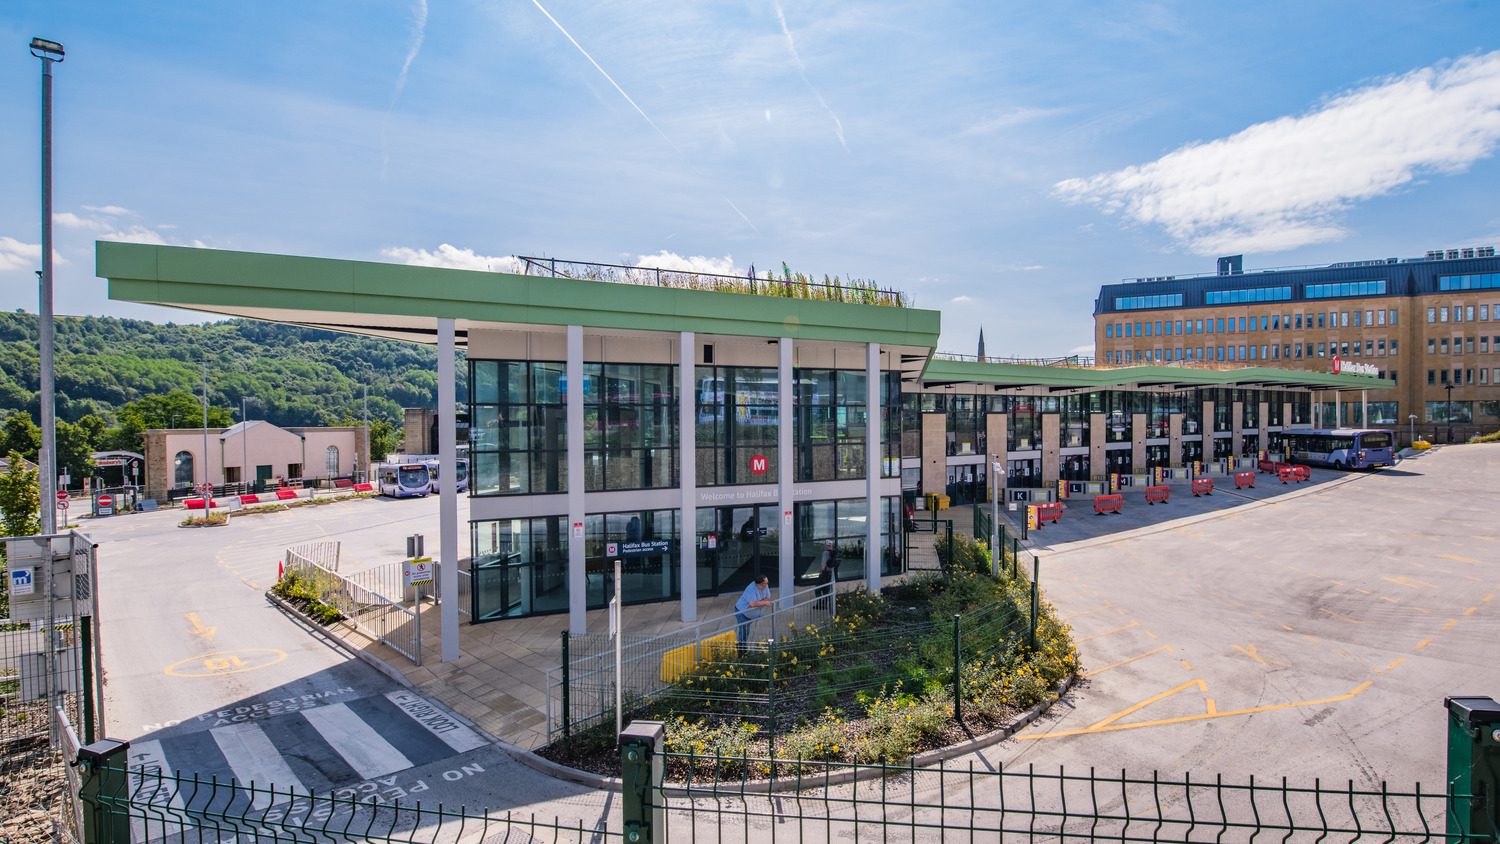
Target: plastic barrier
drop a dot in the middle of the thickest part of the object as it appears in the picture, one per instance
(343, 483)
(249, 499)
(364, 488)
(285, 494)
(1303, 473)
(1268, 466)
(1048, 513)
(1286, 472)
(1160, 493)
(1203, 486)
(196, 503)
(1244, 479)
(1111, 503)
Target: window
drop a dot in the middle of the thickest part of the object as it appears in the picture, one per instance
(1484, 313)
(1443, 345)
(1484, 344)
(1320, 321)
(1468, 313)
(1275, 322)
(1432, 314)
(630, 426)
(1483, 281)
(1254, 294)
(520, 567)
(1242, 324)
(1179, 325)
(1432, 376)
(1133, 303)
(1442, 314)
(1431, 345)
(1218, 353)
(1199, 324)
(1484, 375)
(737, 409)
(1393, 316)
(182, 469)
(1344, 319)
(1380, 348)
(1445, 411)
(1345, 288)
(1355, 322)
(1298, 318)
(331, 461)
(1393, 347)
(1380, 317)
(1322, 350)
(1109, 330)
(1221, 326)
(830, 424)
(1468, 345)
(518, 436)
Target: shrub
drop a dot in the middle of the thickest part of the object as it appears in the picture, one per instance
(1491, 437)
(898, 725)
(729, 743)
(301, 591)
(823, 739)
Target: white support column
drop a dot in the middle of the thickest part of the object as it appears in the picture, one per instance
(1364, 408)
(687, 462)
(785, 462)
(874, 450)
(577, 576)
(1338, 409)
(447, 495)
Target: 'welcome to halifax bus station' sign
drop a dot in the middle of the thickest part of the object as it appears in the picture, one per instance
(1344, 367)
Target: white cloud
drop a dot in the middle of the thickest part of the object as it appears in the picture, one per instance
(111, 210)
(791, 48)
(696, 264)
(1014, 117)
(452, 257)
(103, 222)
(69, 220)
(135, 234)
(1284, 183)
(19, 255)
(959, 300)
(1086, 350)
(1031, 268)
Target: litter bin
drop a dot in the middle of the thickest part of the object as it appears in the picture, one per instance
(1474, 767)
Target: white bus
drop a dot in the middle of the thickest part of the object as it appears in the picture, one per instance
(404, 479)
(433, 465)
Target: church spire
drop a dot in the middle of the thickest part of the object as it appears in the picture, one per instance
(981, 344)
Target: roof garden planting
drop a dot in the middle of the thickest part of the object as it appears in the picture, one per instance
(791, 285)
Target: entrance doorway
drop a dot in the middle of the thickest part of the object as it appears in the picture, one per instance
(735, 545)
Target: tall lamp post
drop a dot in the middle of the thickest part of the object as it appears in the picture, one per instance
(1412, 418)
(50, 52)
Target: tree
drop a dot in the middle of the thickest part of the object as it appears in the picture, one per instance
(384, 439)
(20, 508)
(74, 450)
(20, 434)
(176, 409)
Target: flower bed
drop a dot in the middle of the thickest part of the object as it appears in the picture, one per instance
(874, 683)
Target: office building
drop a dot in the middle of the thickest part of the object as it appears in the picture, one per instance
(1429, 327)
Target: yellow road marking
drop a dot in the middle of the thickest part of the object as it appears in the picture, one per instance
(1108, 632)
(1459, 559)
(1340, 616)
(1249, 650)
(219, 663)
(199, 629)
(1403, 580)
(1150, 635)
(1313, 639)
(1210, 707)
(1487, 538)
(1185, 718)
(1391, 666)
(1470, 610)
(1136, 707)
(1127, 661)
(1287, 628)
(1424, 643)
(1103, 606)
(1389, 600)
(1186, 665)
(1448, 625)
(1486, 599)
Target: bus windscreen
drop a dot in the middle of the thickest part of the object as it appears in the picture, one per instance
(413, 476)
(1379, 439)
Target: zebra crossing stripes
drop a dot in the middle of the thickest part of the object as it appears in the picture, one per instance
(254, 759)
(315, 749)
(361, 746)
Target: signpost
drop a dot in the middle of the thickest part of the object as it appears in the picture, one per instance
(614, 631)
(758, 464)
(995, 469)
(105, 505)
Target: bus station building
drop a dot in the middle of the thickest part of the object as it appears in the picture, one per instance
(709, 429)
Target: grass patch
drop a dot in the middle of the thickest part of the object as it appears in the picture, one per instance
(206, 520)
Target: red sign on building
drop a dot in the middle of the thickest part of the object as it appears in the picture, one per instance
(758, 464)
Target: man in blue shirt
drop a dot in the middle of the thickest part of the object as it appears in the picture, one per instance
(752, 603)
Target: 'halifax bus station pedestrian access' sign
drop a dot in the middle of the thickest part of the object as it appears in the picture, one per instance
(638, 549)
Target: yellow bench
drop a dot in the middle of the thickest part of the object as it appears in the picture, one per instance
(679, 661)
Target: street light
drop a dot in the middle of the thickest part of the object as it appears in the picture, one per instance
(50, 52)
(1412, 418)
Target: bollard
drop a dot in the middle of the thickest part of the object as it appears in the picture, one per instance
(641, 744)
(105, 791)
(567, 722)
(958, 714)
(1474, 767)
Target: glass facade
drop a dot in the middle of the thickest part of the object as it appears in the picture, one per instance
(844, 521)
(966, 424)
(518, 437)
(1131, 303)
(1252, 294)
(1480, 281)
(1344, 288)
(830, 424)
(645, 541)
(737, 418)
(520, 567)
(630, 426)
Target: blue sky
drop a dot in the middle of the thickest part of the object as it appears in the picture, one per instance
(998, 161)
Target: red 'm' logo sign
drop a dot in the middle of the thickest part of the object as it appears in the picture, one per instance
(758, 464)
